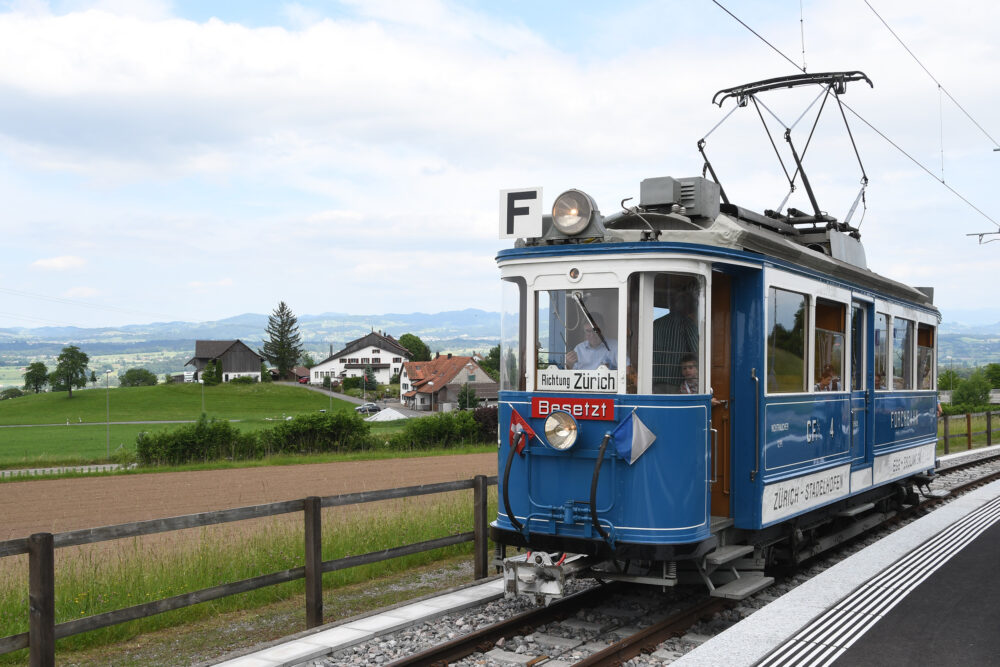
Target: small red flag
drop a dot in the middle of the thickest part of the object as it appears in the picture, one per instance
(518, 425)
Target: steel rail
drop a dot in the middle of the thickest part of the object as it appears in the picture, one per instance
(483, 640)
(649, 638)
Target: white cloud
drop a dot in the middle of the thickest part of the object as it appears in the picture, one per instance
(360, 148)
(63, 263)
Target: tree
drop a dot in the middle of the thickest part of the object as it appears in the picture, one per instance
(137, 377)
(307, 360)
(368, 382)
(491, 362)
(418, 350)
(284, 345)
(93, 379)
(992, 372)
(212, 373)
(948, 380)
(972, 393)
(36, 376)
(10, 392)
(467, 397)
(71, 370)
(265, 374)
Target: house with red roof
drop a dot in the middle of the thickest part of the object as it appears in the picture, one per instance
(434, 385)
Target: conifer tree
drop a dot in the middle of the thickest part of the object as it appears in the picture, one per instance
(284, 345)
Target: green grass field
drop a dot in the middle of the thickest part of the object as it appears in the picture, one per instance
(85, 438)
(166, 402)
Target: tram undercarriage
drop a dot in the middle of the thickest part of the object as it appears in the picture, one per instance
(732, 563)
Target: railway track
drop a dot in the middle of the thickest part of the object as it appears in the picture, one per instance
(610, 624)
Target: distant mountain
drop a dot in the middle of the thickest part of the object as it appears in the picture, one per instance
(166, 346)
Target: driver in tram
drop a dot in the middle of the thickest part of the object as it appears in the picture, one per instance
(594, 350)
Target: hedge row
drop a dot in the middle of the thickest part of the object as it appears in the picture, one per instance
(208, 440)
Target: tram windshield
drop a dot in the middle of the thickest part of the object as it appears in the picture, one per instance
(577, 329)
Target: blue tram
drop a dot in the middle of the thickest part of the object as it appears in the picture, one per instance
(688, 385)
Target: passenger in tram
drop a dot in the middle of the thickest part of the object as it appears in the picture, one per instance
(828, 381)
(593, 351)
(689, 373)
(689, 370)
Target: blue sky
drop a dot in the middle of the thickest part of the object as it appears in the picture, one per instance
(197, 160)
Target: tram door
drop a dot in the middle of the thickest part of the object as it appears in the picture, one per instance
(721, 372)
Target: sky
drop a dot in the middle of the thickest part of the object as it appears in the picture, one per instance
(195, 160)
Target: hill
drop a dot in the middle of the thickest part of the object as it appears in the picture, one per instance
(164, 347)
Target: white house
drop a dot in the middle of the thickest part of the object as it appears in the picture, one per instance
(381, 352)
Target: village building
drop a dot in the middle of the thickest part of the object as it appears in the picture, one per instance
(434, 385)
(236, 359)
(378, 351)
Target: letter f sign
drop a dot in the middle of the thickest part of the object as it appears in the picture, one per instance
(520, 213)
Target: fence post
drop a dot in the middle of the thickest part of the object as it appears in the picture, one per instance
(968, 429)
(41, 601)
(989, 428)
(314, 562)
(947, 435)
(481, 542)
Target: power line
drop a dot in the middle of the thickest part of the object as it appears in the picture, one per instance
(933, 78)
(873, 128)
(82, 304)
(776, 49)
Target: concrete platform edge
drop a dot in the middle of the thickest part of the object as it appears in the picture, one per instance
(754, 637)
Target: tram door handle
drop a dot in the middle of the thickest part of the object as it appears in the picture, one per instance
(715, 455)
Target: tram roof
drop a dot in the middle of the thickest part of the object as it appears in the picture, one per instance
(726, 235)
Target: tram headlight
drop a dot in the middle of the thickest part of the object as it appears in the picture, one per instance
(572, 211)
(560, 430)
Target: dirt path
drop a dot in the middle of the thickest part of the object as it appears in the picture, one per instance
(71, 504)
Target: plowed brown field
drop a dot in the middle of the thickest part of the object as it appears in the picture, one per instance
(71, 504)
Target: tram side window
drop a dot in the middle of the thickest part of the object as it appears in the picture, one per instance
(881, 351)
(925, 356)
(512, 336)
(857, 348)
(677, 334)
(786, 341)
(902, 353)
(577, 329)
(829, 362)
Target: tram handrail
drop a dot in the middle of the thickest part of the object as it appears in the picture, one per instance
(756, 424)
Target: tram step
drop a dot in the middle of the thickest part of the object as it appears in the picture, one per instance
(743, 587)
(856, 510)
(728, 553)
(720, 523)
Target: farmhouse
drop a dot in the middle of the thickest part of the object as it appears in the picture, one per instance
(427, 385)
(235, 358)
(378, 351)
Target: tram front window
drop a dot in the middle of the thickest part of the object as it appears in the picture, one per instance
(577, 329)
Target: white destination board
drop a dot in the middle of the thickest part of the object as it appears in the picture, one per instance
(792, 496)
(905, 462)
(602, 380)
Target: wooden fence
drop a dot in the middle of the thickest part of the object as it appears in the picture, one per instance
(43, 631)
(969, 433)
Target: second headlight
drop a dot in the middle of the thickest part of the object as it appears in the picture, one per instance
(560, 430)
